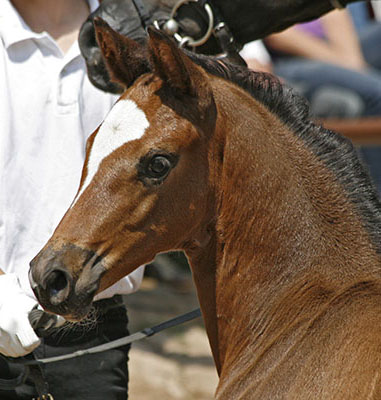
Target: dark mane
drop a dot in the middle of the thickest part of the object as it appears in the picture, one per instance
(337, 152)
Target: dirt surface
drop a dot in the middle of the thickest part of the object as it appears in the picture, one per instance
(175, 364)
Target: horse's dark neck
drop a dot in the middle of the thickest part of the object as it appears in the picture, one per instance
(239, 16)
(287, 238)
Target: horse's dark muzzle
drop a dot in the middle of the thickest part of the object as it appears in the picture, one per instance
(65, 280)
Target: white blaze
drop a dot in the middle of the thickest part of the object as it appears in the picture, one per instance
(125, 122)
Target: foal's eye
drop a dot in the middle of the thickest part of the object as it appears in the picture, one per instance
(158, 166)
(155, 166)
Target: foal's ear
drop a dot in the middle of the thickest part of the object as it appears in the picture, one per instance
(176, 68)
(125, 59)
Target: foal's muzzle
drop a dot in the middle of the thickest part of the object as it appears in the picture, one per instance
(66, 280)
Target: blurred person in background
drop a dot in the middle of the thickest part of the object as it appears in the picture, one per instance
(367, 21)
(335, 68)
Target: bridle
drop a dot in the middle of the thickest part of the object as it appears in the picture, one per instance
(208, 14)
(196, 25)
(171, 26)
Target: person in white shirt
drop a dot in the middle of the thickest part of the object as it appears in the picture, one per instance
(48, 108)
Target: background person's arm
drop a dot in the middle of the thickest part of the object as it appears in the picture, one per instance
(340, 47)
(342, 36)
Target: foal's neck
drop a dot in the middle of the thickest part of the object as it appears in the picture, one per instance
(287, 238)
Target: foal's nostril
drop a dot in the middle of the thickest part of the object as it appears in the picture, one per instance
(56, 281)
(57, 285)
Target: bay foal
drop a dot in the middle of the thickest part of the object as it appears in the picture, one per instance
(279, 221)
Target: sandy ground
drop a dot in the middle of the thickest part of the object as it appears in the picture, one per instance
(175, 364)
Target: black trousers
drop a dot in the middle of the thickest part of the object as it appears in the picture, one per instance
(102, 376)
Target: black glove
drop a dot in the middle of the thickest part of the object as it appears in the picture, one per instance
(43, 323)
(123, 17)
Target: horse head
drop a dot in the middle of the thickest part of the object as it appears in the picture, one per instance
(144, 183)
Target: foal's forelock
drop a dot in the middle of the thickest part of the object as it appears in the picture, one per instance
(124, 123)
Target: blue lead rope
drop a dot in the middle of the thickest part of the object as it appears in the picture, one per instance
(118, 342)
(33, 365)
(107, 346)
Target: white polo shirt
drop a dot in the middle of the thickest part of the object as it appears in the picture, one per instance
(48, 108)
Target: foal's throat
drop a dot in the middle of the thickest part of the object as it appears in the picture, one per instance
(203, 262)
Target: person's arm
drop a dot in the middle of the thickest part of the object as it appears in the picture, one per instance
(342, 36)
(340, 47)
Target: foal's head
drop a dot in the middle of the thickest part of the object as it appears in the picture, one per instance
(144, 187)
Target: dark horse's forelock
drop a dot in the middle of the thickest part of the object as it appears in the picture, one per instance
(337, 152)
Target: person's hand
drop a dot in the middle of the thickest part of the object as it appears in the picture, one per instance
(44, 323)
(17, 337)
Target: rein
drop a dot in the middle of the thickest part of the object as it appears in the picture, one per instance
(146, 332)
(33, 365)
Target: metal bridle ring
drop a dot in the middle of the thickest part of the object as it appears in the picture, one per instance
(185, 40)
(189, 40)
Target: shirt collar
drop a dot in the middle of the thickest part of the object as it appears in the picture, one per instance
(13, 29)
